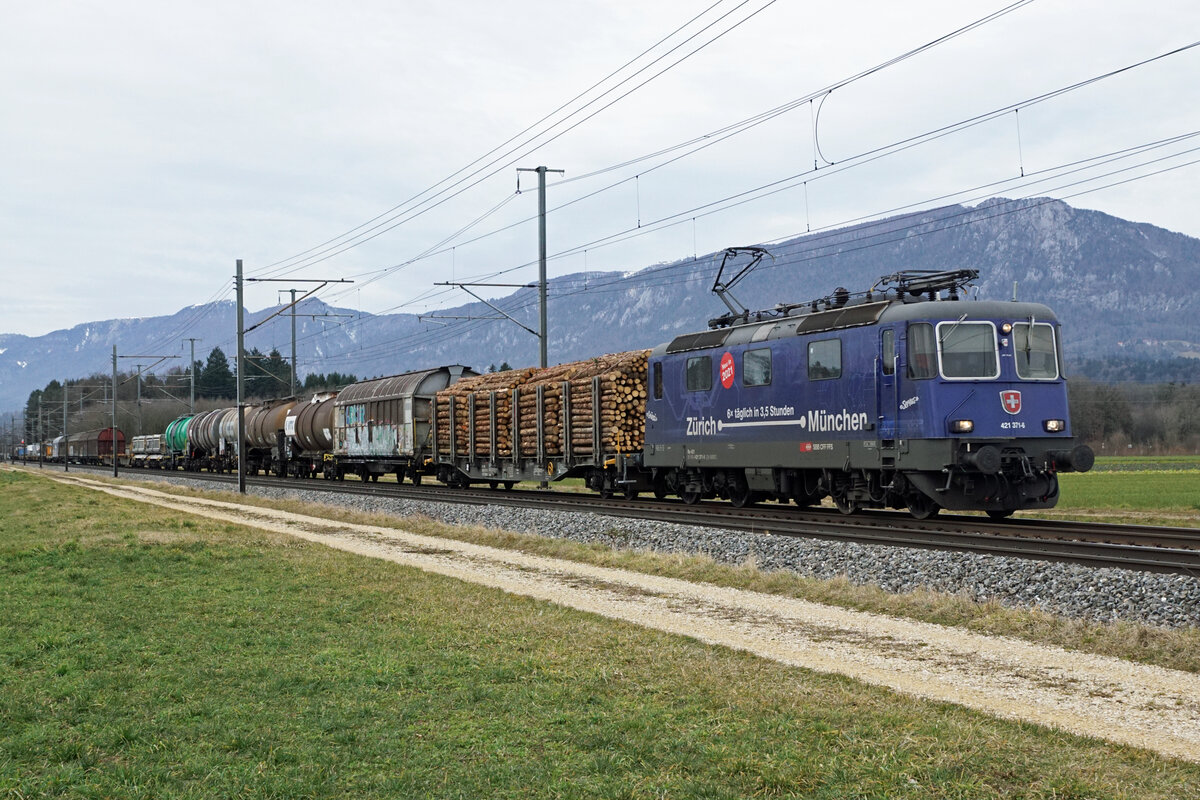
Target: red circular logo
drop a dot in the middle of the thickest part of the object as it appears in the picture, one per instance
(727, 370)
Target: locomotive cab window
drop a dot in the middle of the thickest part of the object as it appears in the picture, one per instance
(888, 348)
(699, 373)
(756, 367)
(922, 351)
(968, 350)
(657, 380)
(1035, 351)
(825, 359)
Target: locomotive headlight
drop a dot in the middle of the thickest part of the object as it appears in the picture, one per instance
(962, 425)
(1054, 425)
(1006, 328)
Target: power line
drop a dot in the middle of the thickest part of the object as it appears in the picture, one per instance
(700, 211)
(843, 165)
(898, 232)
(514, 154)
(731, 130)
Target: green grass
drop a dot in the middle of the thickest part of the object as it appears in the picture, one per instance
(1150, 491)
(145, 653)
(1117, 463)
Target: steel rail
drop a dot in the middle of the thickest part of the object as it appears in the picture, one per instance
(1145, 548)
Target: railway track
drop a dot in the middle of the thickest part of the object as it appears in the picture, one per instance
(1136, 547)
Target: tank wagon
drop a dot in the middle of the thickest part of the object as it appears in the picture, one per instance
(209, 440)
(266, 438)
(309, 431)
(384, 426)
(212, 441)
(175, 441)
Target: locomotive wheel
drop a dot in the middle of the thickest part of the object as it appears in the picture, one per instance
(921, 507)
(845, 504)
(741, 497)
(690, 498)
(1000, 513)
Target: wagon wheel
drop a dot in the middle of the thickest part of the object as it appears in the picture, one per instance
(508, 485)
(921, 506)
(493, 484)
(1000, 513)
(630, 491)
(660, 488)
(845, 504)
(415, 478)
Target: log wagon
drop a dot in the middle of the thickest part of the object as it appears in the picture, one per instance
(582, 419)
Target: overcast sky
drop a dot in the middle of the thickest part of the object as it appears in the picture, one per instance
(146, 146)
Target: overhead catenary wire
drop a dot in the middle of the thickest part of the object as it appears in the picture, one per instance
(694, 213)
(844, 164)
(498, 147)
(1007, 9)
(866, 238)
(712, 138)
(512, 155)
(898, 232)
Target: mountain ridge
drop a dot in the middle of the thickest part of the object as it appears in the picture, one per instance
(1119, 288)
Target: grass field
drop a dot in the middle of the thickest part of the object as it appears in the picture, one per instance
(146, 653)
(1110, 463)
(1154, 491)
(1166, 486)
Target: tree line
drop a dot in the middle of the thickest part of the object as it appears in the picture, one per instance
(267, 376)
(1114, 418)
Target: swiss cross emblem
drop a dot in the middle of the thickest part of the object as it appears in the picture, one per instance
(1011, 400)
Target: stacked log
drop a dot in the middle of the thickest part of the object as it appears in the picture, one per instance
(478, 390)
(622, 411)
(622, 396)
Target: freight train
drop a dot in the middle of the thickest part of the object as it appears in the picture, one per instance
(85, 447)
(905, 396)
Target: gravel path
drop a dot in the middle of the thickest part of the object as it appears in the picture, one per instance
(1134, 704)
(1067, 590)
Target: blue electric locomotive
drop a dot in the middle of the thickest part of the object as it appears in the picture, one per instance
(909, 397)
